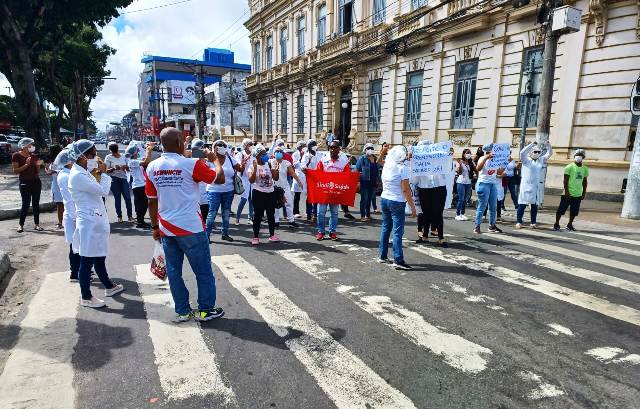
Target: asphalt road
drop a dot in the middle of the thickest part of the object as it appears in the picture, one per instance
(519, 320)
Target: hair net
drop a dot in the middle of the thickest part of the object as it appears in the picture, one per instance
(24, 142)
(279, 142)
(580, 152)
(487, 147)
(197, 143)
(218, 142)
(79, 147)
(279, 149)
(132, 150)
(259, 148)
(312, 143)
(394, 161)
(301, 144)
(245, 142)
(367, 146)
(62, 159)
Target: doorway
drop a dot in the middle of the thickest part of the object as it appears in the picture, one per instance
(345, 116)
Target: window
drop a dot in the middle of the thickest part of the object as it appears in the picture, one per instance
(319, 111)
(258, 119)
(300, 109)
(269, 52)
(464, 94)
(415, 4)
(283, 45)
(345, 16)
(283, 115)
(413, 104)
(379, 14)
(269, 118)
(322, 24)
(531, 66)
(256, 57)
(375, 105)
(301, 33)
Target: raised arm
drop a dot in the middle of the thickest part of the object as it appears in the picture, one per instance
(524, 153)
(549, 152)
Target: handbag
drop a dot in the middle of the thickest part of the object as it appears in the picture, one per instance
(238, 186)
(280, 199)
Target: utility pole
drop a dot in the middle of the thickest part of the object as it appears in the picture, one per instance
(527, 95)
(201, 107)
(631, 206)
(232, 100)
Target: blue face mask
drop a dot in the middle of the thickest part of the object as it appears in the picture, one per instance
(279, 155)
(265, 158)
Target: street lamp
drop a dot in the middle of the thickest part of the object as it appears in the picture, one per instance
(344, 123)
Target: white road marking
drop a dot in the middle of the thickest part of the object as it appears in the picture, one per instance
(455, 350)
(186, 366)
(609, 238)
(563, 268)
(456, 288)
(345, 378)
(612, 355)
(584, 256)
(39, 372)
(601, 246)
(543, 389)
(587, 301)
(557, 329)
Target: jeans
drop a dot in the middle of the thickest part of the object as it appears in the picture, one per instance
(120, 188)
(30, 194)
(141, 203)
(534, 213)
(367, 191)
(487, 196)
(84, 274)
(196, 248)
(216, 199)
(513, 190)
(392, 222)
(463, 192)
(333, 219)
(74, 263)
(244, 201)
(264, 203)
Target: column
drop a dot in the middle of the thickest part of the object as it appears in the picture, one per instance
(432, 120)
(391, 113)
(494, 94)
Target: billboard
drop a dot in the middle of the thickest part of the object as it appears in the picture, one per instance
(181, 92)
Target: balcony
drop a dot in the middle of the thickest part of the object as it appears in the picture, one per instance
(252, 80)
(297, 64)
(457, 5)
(373, 36)
(337, 46)
(279, 71)
(265, 76)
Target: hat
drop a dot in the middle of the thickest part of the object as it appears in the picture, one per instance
(79, 148)
(24, 142)
(367, 146)
(197, 143)
(218, 142)
(279, 142)
(63, 159)
(580, 152)
(257, 149)
(245, 142)
(301, 144)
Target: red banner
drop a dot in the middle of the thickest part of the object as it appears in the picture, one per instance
(332, 187)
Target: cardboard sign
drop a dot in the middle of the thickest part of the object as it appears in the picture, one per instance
(501, 152)
(431, 159)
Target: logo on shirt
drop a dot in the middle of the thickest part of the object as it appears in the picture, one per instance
(167, 172)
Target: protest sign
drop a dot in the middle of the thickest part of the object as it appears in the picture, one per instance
(431, 159)
(501, 152)
(332, 187)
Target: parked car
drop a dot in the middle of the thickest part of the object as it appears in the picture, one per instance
(5, 149)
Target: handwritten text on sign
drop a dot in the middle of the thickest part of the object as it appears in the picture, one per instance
(431, 159)
(501, 152)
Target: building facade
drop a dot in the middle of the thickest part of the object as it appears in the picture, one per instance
(227, 105)
(403, 70)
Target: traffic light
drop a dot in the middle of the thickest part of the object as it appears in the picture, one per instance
(635, 98)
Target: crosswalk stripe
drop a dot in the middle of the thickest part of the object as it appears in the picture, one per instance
(601, 246)
(562, 268)
(609, 238)
(345, 378)
(587, 301)
(455, 350)
(186, 366)
(39, 372)
(569, 253)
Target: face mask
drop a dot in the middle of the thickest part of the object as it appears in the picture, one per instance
(369, 151)
(467, 156)
(32, 149)
(279, 155)
(578, 158)
(221, 150)
(535, 155)
(92, 164)
(265, 158)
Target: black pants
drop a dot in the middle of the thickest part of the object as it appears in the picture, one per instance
(74, 263)
(30, 193)
(141, 203)
(432, 201)
(204, 211)
(296, 202)
(263, 202)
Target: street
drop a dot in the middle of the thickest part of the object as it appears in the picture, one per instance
(523, 319)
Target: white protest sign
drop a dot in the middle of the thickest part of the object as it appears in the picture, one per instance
(501, 152)
(433, 159)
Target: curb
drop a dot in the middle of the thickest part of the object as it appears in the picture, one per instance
(6, 214)
(5, 264)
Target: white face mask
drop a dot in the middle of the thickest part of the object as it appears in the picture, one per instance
(535, 155)
(221, 150)
(32, 149)
(467, 156)
(578, 158)
(92, 164)
(369, 151)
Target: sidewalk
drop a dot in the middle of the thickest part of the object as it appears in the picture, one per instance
(10, 200)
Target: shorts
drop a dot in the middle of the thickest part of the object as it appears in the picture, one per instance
(573, 203)
(56, 195)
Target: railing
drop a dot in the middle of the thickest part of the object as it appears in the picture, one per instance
(374, 35)
(336, 46)
(457, 5)
(252, 80)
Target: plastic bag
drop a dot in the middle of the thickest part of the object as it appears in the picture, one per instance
(158, 265)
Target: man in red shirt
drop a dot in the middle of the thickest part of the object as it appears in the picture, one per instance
(334, 162)
(174, 208)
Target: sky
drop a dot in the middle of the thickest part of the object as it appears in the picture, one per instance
(177, 30)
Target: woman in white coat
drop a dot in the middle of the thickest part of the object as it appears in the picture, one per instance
(64, 163)
(531, 190)
(88, 184)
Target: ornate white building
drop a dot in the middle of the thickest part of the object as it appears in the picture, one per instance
(403, 70)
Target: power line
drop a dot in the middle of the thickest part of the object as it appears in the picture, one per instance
(156, 7)
(223, 31)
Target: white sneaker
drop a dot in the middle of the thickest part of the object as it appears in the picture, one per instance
(518, 225)
(463, 217)
(534, 226)
(458, 217)
(110, 292)
(92, 303)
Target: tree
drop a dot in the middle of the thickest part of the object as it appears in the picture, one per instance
(29, 28)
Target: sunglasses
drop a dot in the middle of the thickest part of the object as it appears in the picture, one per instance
(536, 151)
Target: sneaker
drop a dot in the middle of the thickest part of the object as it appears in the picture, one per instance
(143, 226)
(320, 236)
(463, 217)
(333, 236)
(500, 219)
(349, 216)
(534, 226)
(131, 220)
(183, 317)
(92, 303)
(110, 292)
(402, 266)
(297, 216)
(74, 279)
(458, 217)
(274, 238)
(20, 229)
(518, 225)
(226, 237)
(494, 229)
(294, 225)
(476, 230)
(119, 219)
(255, 241)
(570, 227)
(250, 222)
(556, 227)
(209, 315)
(383, 261)
(237, 223)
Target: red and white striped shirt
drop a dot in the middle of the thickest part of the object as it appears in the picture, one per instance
(173, 180)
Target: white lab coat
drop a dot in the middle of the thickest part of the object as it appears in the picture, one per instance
(69, 215)
(531, 188)
(297, 166)
(91, 238)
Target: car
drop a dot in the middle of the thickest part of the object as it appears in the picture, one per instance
(5, 149)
